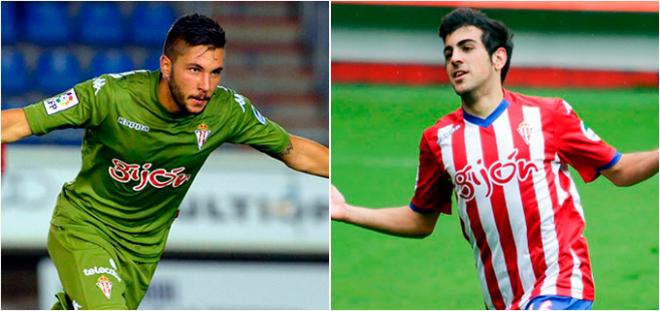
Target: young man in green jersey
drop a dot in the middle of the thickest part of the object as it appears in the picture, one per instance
(147, 135)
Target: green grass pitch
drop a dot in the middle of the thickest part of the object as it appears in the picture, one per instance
(375, 136)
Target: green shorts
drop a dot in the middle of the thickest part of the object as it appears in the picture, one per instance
(94, 274)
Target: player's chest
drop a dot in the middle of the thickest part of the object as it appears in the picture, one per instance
(138, 135)
(481, 159)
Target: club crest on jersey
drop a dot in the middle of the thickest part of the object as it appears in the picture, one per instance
(525, 131)
(476, 176)
(105, 285)
(61, 102)
(202, 133)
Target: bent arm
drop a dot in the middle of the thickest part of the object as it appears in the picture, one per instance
(400, 221)
(14, 125)
(633, 168)
(306, 156)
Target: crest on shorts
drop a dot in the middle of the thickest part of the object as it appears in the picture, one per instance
(105, 285)
(202, 133)
(525, 131)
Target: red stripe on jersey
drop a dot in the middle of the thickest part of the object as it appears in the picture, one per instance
(565, 258)
(460, 160)
(531, 210)
(500, 213)
(582, 252)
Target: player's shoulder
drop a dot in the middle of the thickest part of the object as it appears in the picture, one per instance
(451, 118)
(225, 94)
(136, 80)
(226, 98)
(448, 121)
(129, 77)
(546, 104)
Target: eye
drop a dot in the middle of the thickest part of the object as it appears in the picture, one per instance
(194, 69)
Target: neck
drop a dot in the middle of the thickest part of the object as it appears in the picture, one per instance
(165, 97)
(482, 102)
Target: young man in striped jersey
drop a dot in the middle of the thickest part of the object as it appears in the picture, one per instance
(505, 156)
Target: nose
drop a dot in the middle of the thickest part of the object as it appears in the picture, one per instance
(456, 58)
(205, 83)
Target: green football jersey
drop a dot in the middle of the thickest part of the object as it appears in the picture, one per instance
(139, 160)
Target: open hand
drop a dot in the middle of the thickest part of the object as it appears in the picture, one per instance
(338, 208)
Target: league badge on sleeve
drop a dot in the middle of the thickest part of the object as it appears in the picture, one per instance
(202, 133)
(61, 102)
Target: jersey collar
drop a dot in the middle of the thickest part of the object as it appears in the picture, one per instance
(488, 120)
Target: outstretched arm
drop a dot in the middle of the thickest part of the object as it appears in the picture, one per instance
(399, 221)
(14, 125)
(306, 156)
(633, 168)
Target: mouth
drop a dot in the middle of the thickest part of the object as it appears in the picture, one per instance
(199, 100)
(459, 74)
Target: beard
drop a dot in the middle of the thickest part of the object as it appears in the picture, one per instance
(177, 95)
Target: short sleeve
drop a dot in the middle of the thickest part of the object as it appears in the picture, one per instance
(252, 128)
(580, 147)
(433, 187)
(77, 107)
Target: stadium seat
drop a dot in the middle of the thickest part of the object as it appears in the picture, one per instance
(150, 23)
(59, 70)
(47, 22)
(8, 23)
(111, 61)
(101, 23)
(152, 61)
(14, 72)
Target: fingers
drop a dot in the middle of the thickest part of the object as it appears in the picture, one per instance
(337, 204)
(336, 197)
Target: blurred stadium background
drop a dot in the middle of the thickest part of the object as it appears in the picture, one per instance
(252, 234)
(389, 84)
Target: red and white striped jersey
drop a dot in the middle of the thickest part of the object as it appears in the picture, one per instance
(518, 206)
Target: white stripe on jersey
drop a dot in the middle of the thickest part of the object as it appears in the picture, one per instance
(474, 153)
(517, 220)
(576, 277)
(445, 144)
(532, 116)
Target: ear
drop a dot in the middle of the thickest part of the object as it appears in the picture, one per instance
(165, 66)
(499, 58)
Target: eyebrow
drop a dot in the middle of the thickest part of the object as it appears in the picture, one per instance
(200, 66)
(460, 43)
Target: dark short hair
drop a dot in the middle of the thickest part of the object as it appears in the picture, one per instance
(495, 33)
(194, 29)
